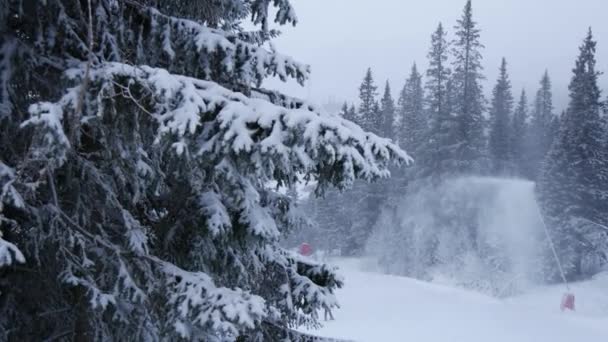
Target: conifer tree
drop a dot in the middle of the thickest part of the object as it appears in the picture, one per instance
(539, 137)
(572, 187)
(519, 128)
(554, 127)
(136, 151)
(468, 94)
(438, 74)
(348, 113)
(500, 116)
(344, 110)
(413, 119)
(376, 118)
(438, 156)
(352, 113)
(387, 113)
(368, 108)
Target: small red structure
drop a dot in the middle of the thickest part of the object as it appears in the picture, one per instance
(305, 249)
(567, 302)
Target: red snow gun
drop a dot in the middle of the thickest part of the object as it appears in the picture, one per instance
(305, 249)
(568, 297)
(567, 302)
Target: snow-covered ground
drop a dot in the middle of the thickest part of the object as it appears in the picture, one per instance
(384, 308)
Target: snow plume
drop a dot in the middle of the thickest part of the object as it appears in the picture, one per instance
(480, 233)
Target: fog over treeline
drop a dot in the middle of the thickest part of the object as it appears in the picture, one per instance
(390, 35)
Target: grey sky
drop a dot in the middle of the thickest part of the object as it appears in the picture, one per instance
(341, 38)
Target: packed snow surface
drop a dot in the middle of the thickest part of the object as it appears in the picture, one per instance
(377, 307)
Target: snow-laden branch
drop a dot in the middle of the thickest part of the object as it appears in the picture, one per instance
(8, 193)
(309, 282)
(198, 302)
(252, 62)
(194, 302)
(52, 139)
(299, 139)
(9, 253)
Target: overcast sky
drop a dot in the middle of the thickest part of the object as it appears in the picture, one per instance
(341, 38)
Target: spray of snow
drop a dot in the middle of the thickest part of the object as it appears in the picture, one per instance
(475, 232)
(512, 219)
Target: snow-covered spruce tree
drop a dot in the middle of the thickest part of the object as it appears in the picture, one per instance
(348, 113)
(468, 94)
(387, 113)
(136, 153)
(519, 127)
(436, 156)
(500, 116)
(376, 122)
(352, 113)
(368, 108)
(344, 110)
(539, 136)
(572, 187)
(413, 123)
(438, 73)
(554, 127)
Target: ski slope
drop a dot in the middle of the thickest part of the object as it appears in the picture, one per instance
(384, 308)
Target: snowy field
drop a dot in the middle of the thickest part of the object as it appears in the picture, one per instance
(383, 308)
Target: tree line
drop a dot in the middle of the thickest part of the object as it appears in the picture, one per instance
(443, 120)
